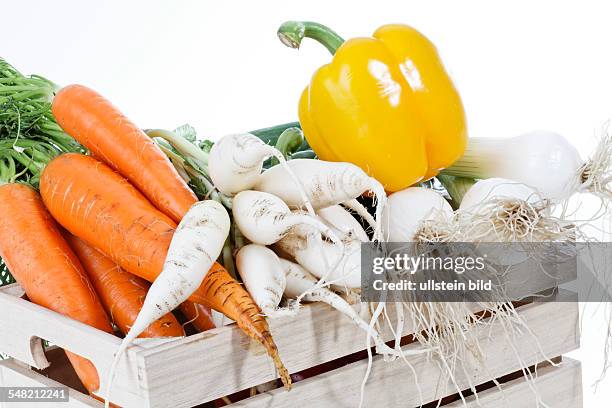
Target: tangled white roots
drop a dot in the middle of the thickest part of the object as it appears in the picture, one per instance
(453, 331)
(596, 174)
(512, 220)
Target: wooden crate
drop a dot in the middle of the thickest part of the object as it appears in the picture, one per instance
(184, 372)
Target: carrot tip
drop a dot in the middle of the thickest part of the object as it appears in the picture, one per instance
(269, 344)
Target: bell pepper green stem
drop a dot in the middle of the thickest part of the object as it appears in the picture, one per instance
(288, 143)
(291, 33)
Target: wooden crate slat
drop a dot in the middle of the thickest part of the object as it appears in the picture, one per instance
(554, 324)
(319, 334)
(558, 387)
(14, 374)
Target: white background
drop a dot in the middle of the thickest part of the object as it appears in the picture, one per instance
(218, 65)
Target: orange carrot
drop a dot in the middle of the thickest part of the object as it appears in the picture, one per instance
(198, 315)
(98, 125)
(99, 206)
(121, 293)
(42, 262)
(224, 294)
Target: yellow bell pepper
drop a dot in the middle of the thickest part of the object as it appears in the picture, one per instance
(384, 103)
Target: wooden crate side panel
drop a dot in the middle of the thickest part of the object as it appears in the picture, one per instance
(27, 323)
(557, 387)
(554, 324)
(232, 362)
(14, 374)
(223, 357)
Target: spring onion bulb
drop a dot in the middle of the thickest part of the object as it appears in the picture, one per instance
(412, 215)
(501, 210)
(543, 160)
(484, 191)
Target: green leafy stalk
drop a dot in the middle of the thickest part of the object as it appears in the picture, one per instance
(304, 154)
(288, 143)
(456, 187)
(190, 158)
(25, 109)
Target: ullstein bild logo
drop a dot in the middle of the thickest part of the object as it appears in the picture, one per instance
(488, 272)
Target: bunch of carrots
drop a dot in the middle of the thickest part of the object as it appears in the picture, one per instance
(87, 222)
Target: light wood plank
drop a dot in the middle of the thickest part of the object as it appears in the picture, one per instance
(231, 361)
(224, 357)
(27, 323)
(557, 387)
(14, 289)
(555, 325)
(13, 374)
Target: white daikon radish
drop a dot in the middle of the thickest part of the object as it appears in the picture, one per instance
(264, 277)
(325, 184)
(235, 163)
(308, 249)
(543, 160)
(341, 220)
(196, 244)
(409, 211)
(361, 211)
(265, 219)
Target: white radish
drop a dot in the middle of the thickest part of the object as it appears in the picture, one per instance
(264, 277)
(341, 220)
(407, 210)
(543, 160)
(265, 219)
(305, 246)
(325, 184)
(235, 163)
(361, 211)
(196, 244)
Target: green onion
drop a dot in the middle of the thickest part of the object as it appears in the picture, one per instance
(456, 187)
